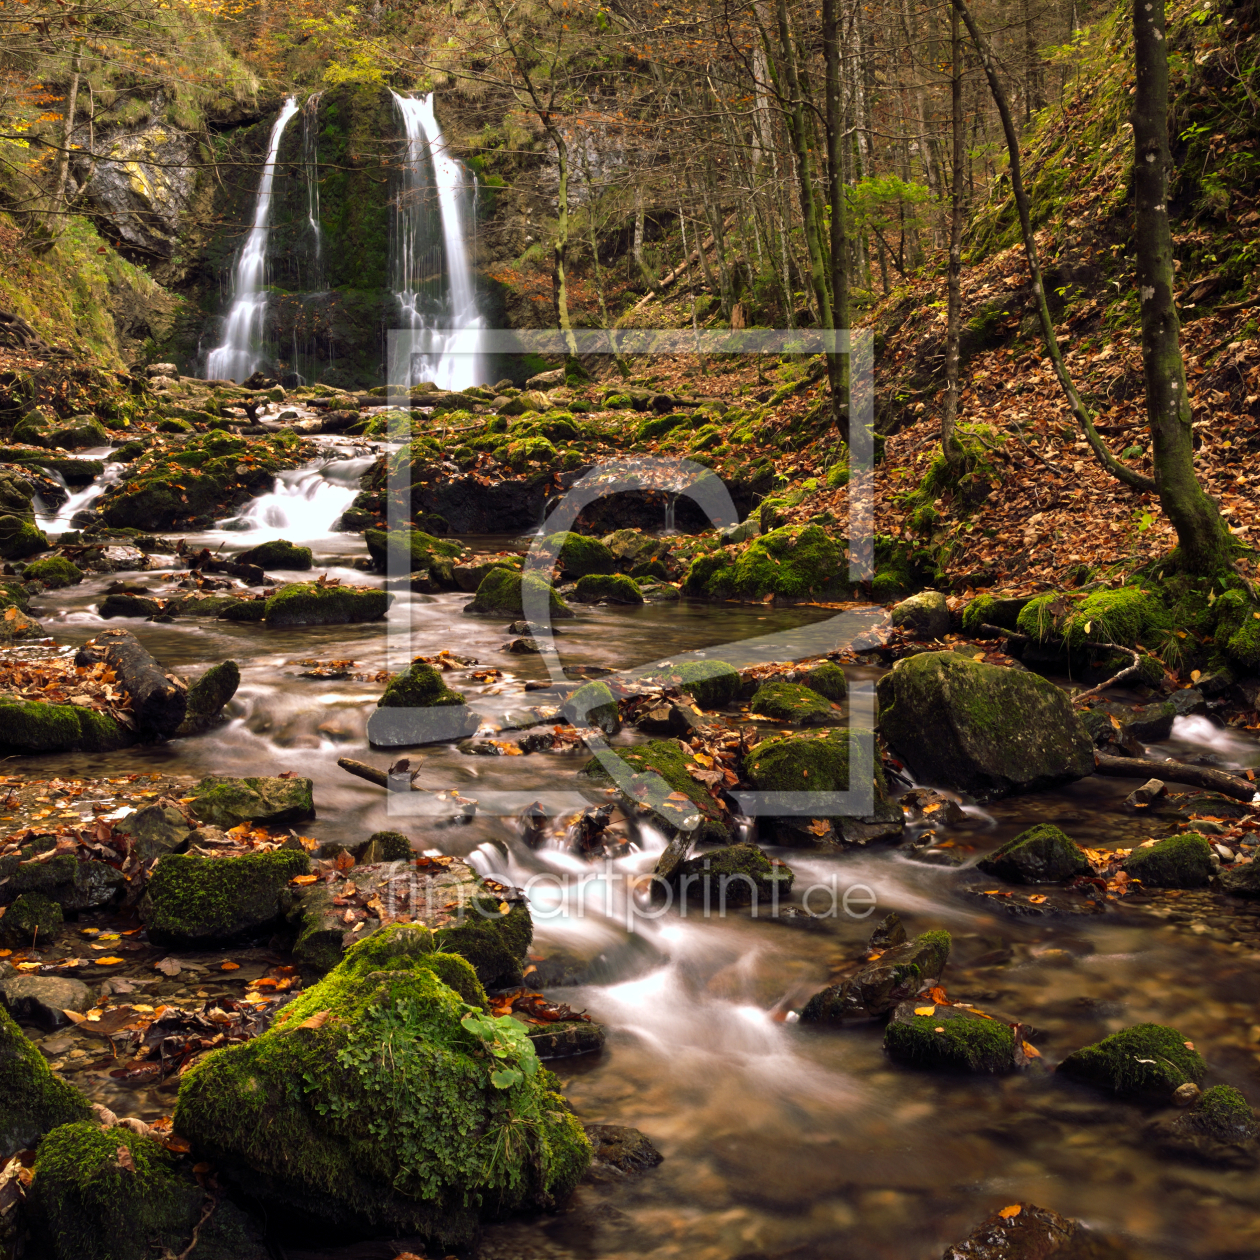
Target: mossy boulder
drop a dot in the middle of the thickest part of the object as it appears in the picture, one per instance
(1041, 855)
(827, 678)
(32, 1099)
(54, 571)
(418, 707)
(611, 588)
(1147, 1060)
(1220, 1129)
(527, 400)
(819, 764)
(273, 801)
(72, 884)
(475, 1126)
(579, 555)
(712, 684)
(503, 593)
(30, 726)
(20, 538)
(1183, 861)
(952, 1037)
(979, 728)
(795, 703)
(1242, 879)
(654, 776)
(896, 972)
(31, 428)
(593, 704)
(794, 562)
(208, 695)
(924, 616)
(279, 553)
(32, 917)
(1126, 616)
(409, 551)
(992, 610)
(309, 604)
(194, 902)
(77, 432)
(735, 875)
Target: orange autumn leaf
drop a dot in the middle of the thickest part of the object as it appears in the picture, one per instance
(937, 994)
(106, 962)
(318, 1020)
(1010, 1213)
(303, 879)
(229, 966)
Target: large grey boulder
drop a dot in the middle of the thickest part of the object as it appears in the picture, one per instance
(44, 1000)
(981, 729)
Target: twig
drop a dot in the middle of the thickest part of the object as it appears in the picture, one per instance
(1089, 643)
(206, 1213)
(1178, 772)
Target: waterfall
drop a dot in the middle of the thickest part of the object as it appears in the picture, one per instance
(447, 347)
(310, 165)
(238, 357)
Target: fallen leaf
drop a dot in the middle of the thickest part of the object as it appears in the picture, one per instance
(230, 966)
(318, 1020)
(304, 879)
(106, 962)
(925, 1010)
(123, 1155)
(1010, 1213)
(1037, 899)
(168, 966)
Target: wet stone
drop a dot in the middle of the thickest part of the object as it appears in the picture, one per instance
(44, 1000)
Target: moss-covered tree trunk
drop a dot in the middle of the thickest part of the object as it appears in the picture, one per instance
(837, 363)
(950, 446)
(1202, 535)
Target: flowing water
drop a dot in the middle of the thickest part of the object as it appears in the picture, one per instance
(779, 1140)
(433, 278)
(240, 353)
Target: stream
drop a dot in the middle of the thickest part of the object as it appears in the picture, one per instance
(779, 1140)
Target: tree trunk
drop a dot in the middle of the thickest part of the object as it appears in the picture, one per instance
(644, 270)
(952, 449)
(561, 250)
(1121, 472)
(57, 203)
(1203, 538)
(837, 363)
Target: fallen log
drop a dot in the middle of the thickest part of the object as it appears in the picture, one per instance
(1177, 772)
(400, 782)
(159, 701)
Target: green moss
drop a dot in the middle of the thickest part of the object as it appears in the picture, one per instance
(420, 686)
(32, 1099)
(412, 947)
(309, 604)
(712, 684)
(384, 846)
(208, 695)
(407, 552)
(658, 426)
(735, 875)
(1126, 616)
(827, 678)
(951, 1038)
(279, 553)
(89, 1207)
(1041, 855)
(502, 592)
(227, 802)
(793, 562)
(193, 900)
(792, 702)
(1147, 1059)
(615, 588)
(819, 763)
(1224, 1114)
(54, 572)
(32, 727)
(493, 943)
(1183, 861)
(579, 555)
(455, 1122)
(31, 917)
(593, 704)
(20, 538)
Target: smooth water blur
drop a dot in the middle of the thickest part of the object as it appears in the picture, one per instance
(779, 1140)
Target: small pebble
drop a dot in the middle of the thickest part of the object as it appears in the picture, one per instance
(1185, 1094)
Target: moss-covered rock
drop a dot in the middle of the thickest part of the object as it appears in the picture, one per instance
(309, 604)
(1126, 616)
(979, 728)
(712, 684)
(1183, 861)
(735, 875)
(208, 695)
(579, 555)
(593, 704)
(925, 615)
(278, 553)
(29, 726)
(896, 973)
(89, 1203)
(31, 917)
(32, 1099)
(611, 588)
(273, 801)
(503, 593)
(19, 538)
(1041, 855)
(418, 707)
(410, 551)
(794, 562)
(72, 884)
(827, 678)
(792, 702)
(950, 1037)
(992, 610)
(195, 901)
(475, 1127)
(655, 777)
(1150, 1060)
(384, 846)
(1242, 879)
(54, 572)
(77, 432)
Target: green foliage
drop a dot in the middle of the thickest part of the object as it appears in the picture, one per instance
(1147, 1059)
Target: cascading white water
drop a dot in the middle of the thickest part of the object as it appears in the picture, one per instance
(58, 520)
(310, 162)
(447, 345)
(304, 505)
(238, 357)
